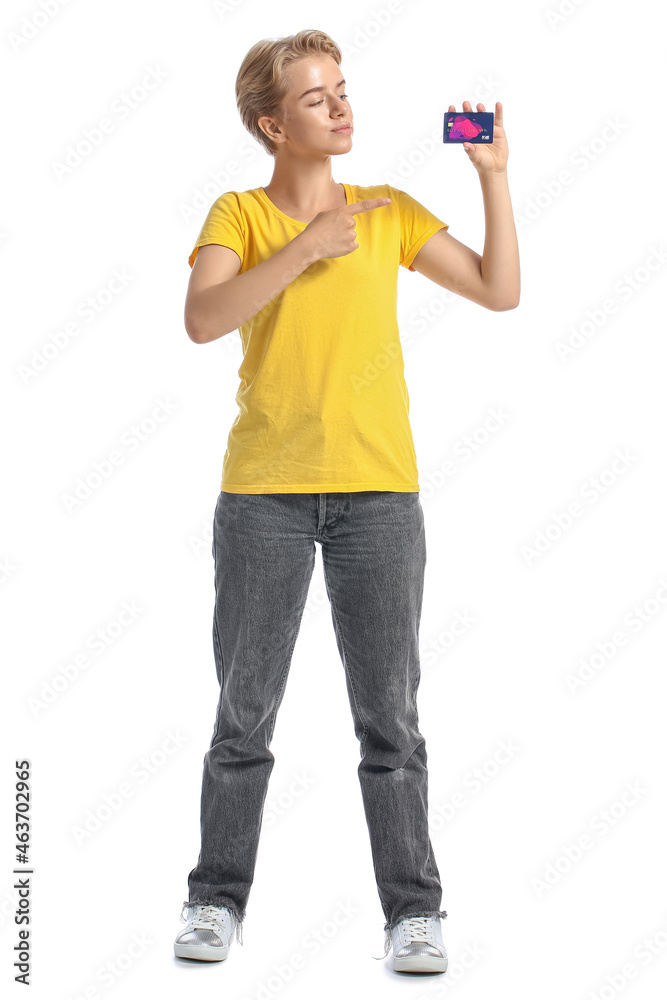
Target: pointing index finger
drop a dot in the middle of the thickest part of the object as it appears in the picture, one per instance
(370, 203)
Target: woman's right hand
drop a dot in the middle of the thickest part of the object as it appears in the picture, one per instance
(332, 233)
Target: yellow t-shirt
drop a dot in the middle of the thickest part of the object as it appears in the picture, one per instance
(323, 403)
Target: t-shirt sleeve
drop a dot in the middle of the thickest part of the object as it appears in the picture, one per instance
(417, 225)
(223, 225)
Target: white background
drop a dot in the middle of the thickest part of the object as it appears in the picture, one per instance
(588, 202)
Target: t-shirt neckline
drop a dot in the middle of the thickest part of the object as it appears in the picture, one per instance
(298, 222)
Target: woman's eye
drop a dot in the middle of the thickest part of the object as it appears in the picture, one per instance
(343, 97)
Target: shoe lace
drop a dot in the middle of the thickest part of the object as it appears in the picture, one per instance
(207, 915)
(419, 928)
(387, 946)
(416, 928)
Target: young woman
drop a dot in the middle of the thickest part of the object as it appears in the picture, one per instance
(322, 451)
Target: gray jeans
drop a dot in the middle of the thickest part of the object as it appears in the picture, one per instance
(373, 556)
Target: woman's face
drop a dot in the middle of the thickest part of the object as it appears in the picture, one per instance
(310, 115)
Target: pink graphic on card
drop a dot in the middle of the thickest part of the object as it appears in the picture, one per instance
(464, 128)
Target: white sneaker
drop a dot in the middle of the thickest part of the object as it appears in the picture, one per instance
(418, 945)
(208, 933)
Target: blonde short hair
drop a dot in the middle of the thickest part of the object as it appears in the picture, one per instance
(262, 82)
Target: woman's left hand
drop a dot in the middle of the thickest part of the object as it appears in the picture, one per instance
(492, 158)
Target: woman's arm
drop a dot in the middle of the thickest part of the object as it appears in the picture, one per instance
(493, 279)
(219, 299)
(218, 303)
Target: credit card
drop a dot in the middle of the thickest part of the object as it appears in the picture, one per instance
(468, 126)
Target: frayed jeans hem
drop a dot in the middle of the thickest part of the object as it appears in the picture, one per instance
(238, 914)
(389, 925)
